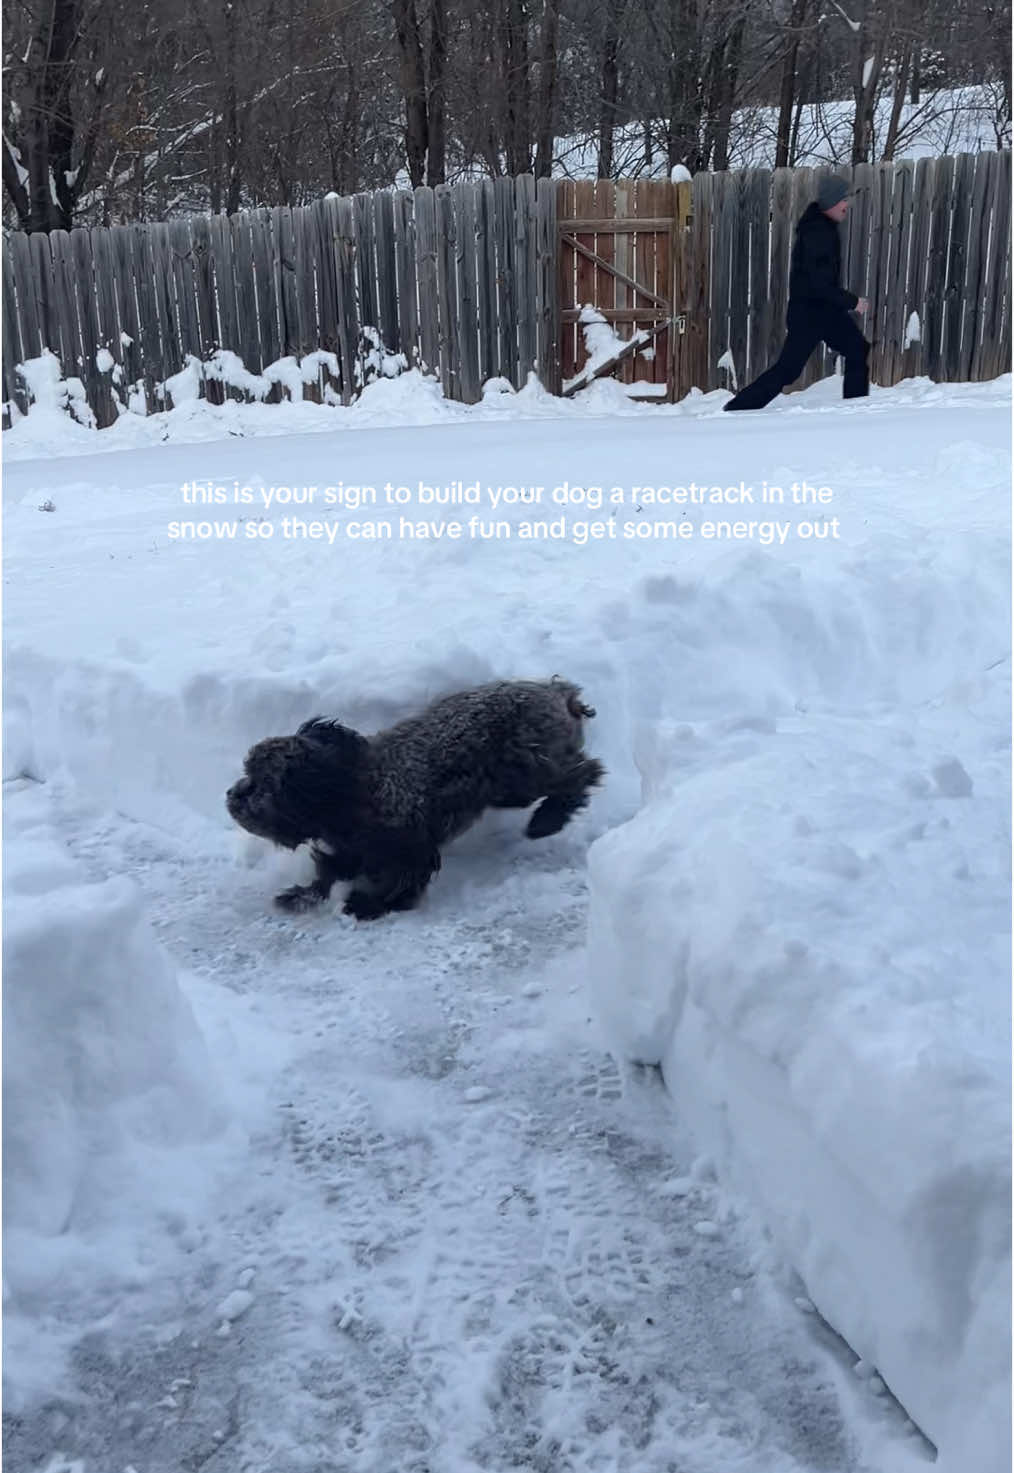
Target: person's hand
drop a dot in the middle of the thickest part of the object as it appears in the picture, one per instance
(863, 304)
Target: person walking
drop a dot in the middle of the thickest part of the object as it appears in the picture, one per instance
(819, 305)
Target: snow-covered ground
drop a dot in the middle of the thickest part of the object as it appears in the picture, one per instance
(302, 1194)
(957, 120)
(944, 121)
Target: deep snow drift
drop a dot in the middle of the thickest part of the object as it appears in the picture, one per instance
(810, 937)
(797, 908)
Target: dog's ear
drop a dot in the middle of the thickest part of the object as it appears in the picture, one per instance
(323, 791)
(317, 726)
(342, 741)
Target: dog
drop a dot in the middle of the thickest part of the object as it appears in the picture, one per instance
(377, 810)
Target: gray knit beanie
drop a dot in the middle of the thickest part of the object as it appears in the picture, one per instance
(832, 191)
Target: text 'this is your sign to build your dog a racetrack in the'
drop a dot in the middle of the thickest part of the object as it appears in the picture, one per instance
(765, 513)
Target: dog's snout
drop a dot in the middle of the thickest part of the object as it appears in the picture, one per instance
(239, 790)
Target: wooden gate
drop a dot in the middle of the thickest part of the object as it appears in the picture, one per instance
(619, 250)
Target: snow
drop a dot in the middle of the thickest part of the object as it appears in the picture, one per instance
(853, 25)
(477, 1094)
(235, 1304)
(291, 374)
(52, 397)
(913, 330)
(949, 121)
(283, 1193)
(15, 153)
(727, 361)
(944, 121)
(43, 379)
(601, 342)
(107, 1079)
(868, 66)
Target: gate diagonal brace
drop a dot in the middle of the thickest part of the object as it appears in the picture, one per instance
(632, 346)
(612, 270)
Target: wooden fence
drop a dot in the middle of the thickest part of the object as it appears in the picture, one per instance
(466, 282)
(929, 237)
(459, 280)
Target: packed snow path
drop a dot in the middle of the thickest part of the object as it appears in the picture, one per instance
(461, 1240)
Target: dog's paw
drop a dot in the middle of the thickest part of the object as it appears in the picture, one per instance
(363, 906)
(298, 899)
(549, 818)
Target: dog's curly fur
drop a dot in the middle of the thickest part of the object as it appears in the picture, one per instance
(376, 810)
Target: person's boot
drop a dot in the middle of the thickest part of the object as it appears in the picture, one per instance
(856, 381)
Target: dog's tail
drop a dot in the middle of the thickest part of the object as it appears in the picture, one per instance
(575, 706)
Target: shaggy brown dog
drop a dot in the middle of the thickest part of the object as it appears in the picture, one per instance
(378, 809)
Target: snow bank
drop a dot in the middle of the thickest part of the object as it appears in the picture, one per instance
(806, 926)
(106, 1078)
(100, 1047)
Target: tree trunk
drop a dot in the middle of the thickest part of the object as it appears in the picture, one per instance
(897, 103)
(412, 77)
(682, 42)
(45, 199)
(518, 140)
(724, 94)
(436, 158)
(610, 81)
(233, 168)
(787, 86)
(869, 64)
(797, 116)
(546, 100)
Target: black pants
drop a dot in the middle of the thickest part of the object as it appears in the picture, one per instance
(809, 323)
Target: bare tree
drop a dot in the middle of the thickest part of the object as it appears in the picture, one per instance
(545, 101)
(55, 109)
(902, 72)
(870, 49)
(517, 128)
(787, 89)
(673, 75)
(436, 142)
(131, 109)
(723, 73)
(610, 78)
(412, 75)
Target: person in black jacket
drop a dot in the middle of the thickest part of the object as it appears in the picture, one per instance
(819, 305)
